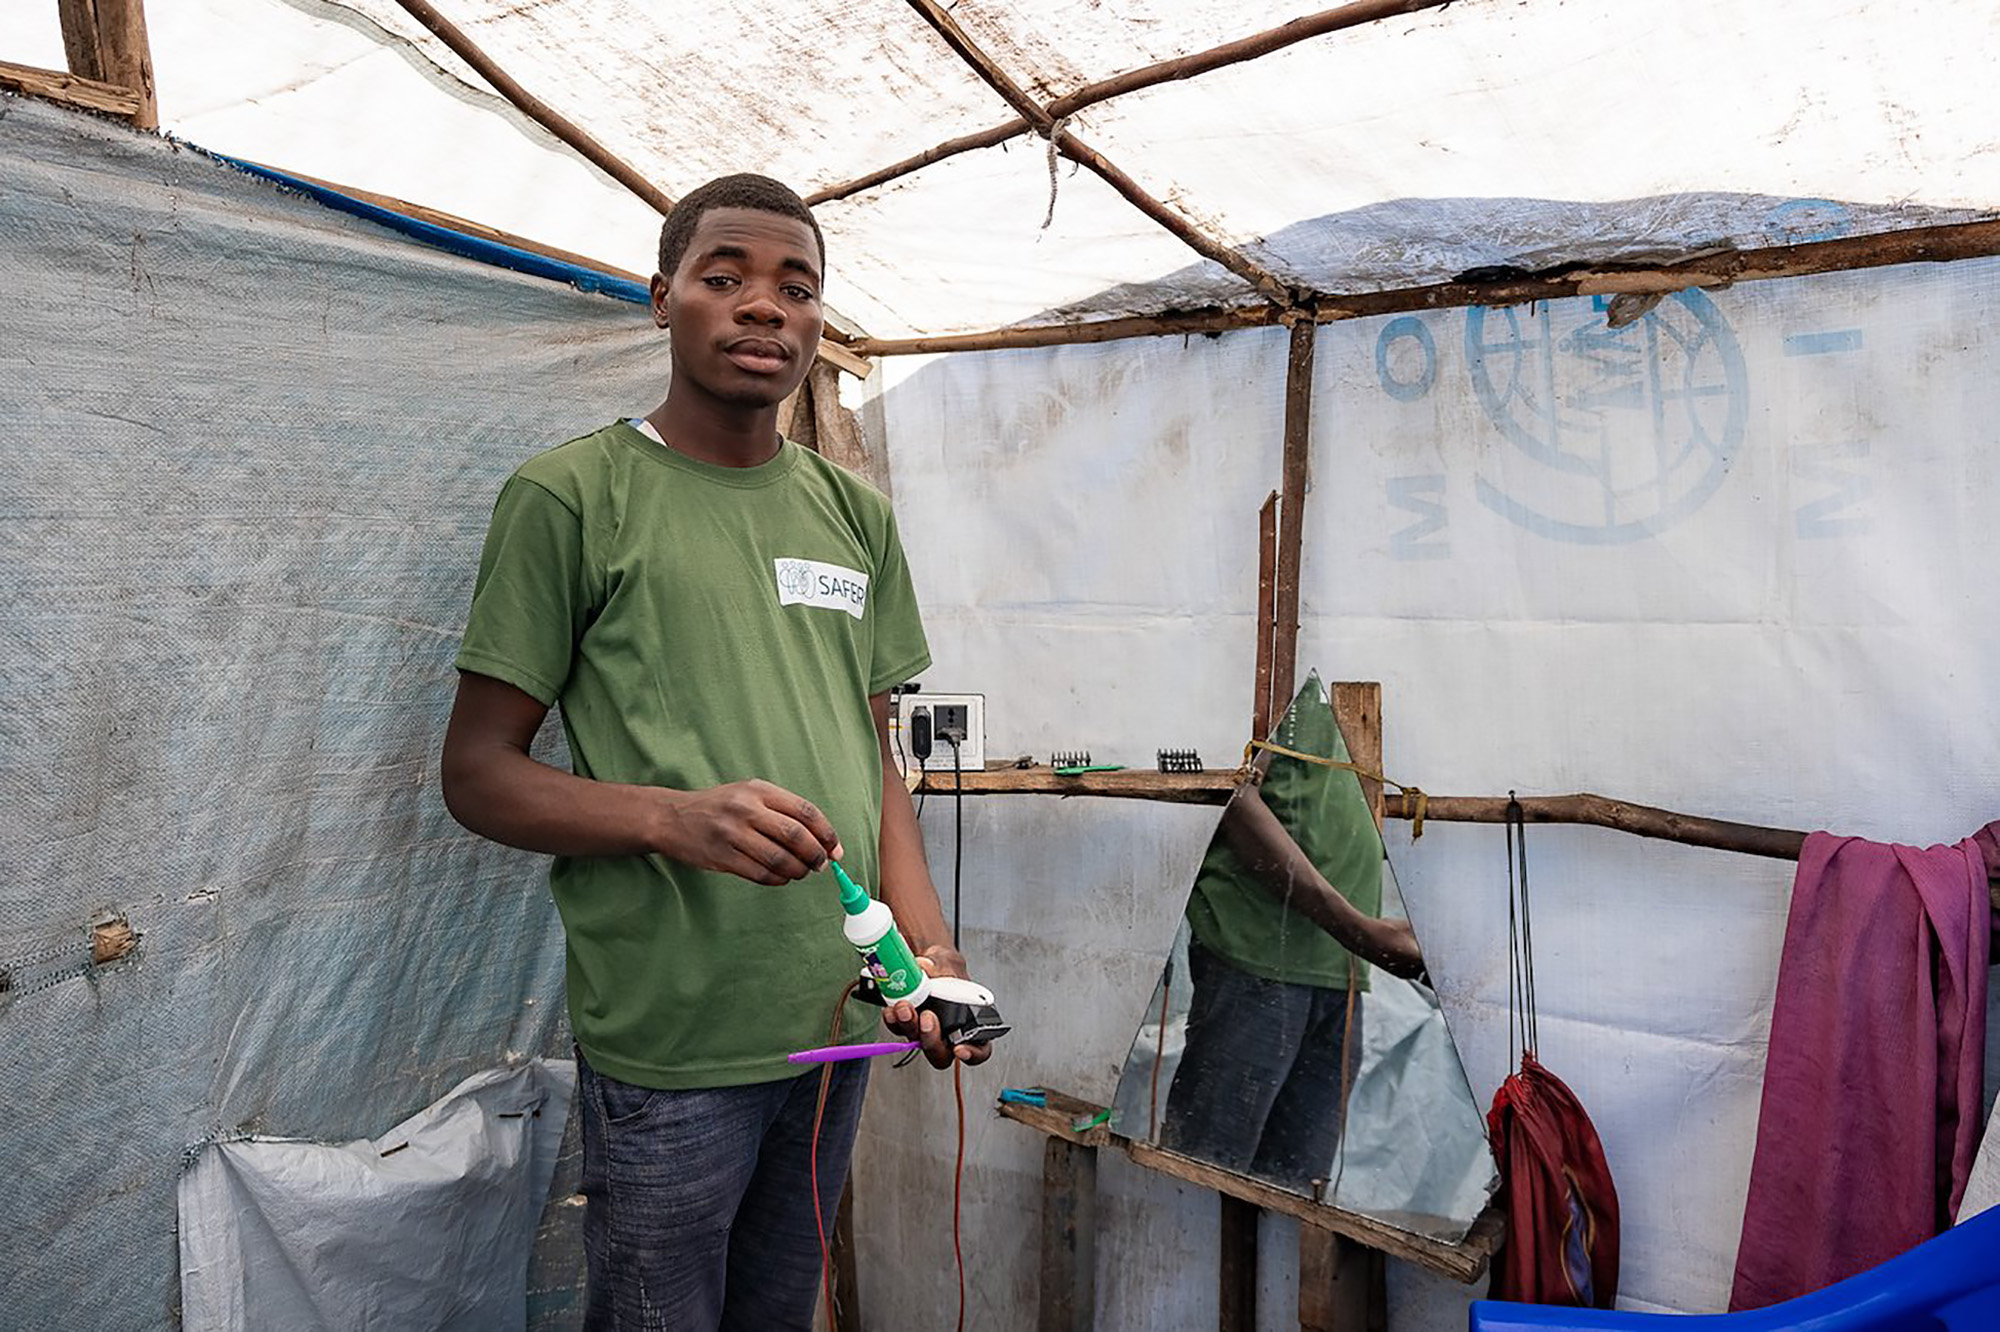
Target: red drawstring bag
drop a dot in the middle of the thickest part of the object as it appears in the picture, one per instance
(1556, 1193)
(1555, 1188)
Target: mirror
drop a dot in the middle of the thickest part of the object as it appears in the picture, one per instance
(1293, 1037)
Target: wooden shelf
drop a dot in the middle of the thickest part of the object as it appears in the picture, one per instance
(1465, 1261)
(1211, 786)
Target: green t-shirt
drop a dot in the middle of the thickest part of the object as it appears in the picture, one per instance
(1233, 914)
(699, 625)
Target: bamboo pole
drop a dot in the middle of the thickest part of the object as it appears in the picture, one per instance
(1939, 244)
(105, 41)
(1076, 150)
(1292, 512)
(1118, 85)
(75, 90)
(534, 108)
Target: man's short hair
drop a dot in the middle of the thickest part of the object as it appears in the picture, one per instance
(739, 191)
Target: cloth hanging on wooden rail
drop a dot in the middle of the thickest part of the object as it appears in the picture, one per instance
(1870, 1113)
(1555, 1185)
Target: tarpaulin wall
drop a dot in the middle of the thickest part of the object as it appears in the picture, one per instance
(247, 452)
(1730, 560)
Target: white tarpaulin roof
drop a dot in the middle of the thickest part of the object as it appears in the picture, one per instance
(1396, 153)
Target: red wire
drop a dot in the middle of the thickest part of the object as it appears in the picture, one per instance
(819, 1222)
(957, 1179)
(819, 1116)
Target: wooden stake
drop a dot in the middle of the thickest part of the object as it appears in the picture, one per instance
(846, 1269)
(1236, 1268)
(1940, 244)
(1184, 67)
(1075, 149)
(1357, 710)
(105, 41)
(535, 109)
(1069, 1238)
(1261, 717)
(1292, 511)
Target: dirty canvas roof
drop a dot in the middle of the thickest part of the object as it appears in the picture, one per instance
(1476, 135)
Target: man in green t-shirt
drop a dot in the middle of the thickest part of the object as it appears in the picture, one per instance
(719, 615)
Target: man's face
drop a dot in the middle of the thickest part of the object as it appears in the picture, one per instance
(743, 306)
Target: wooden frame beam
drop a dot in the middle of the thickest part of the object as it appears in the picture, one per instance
(105, 41)
(1049, 127)
(70, 89)
(534, 108)
(1939, 244)
(830, 352)
(1165, 71)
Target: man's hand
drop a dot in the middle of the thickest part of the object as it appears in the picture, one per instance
(1392, 945)
(912, 1025)
(752, 829)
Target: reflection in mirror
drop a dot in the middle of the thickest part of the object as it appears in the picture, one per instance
(1293, 1036)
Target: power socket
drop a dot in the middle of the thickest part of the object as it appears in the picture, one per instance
(963, 715)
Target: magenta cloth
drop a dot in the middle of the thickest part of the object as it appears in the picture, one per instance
(1870, 1116)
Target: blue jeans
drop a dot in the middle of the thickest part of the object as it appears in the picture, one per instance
(1258, 1090)
(698, 1204)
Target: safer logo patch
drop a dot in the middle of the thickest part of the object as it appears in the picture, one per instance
(826, 586)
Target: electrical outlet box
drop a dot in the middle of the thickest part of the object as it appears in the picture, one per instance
(965, 713)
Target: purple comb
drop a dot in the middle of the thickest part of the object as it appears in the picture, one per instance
(834, 1053)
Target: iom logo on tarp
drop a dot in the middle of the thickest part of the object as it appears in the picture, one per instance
(1634, 427)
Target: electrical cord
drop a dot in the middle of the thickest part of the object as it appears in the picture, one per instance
(957, 833)
(957, 1173)
(958, 1187)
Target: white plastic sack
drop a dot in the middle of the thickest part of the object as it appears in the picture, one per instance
(428, 1226)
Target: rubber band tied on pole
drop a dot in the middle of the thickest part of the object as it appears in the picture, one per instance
(1414, 800)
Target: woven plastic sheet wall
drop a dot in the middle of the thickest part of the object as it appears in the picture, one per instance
(247, 453)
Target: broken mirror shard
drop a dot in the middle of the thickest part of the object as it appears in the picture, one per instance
(1293, 1037)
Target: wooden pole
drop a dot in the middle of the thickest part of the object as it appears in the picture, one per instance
(535, 109)
(1343, 1284)
(1940, 244)
(1604, 812)
(1063, 335)
(79, 34)
(105, 41)
(1267, 613)
(1183, 67)
(1069, 1238)
(1236, 1266)
(1292, 511)
(1075, 149)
